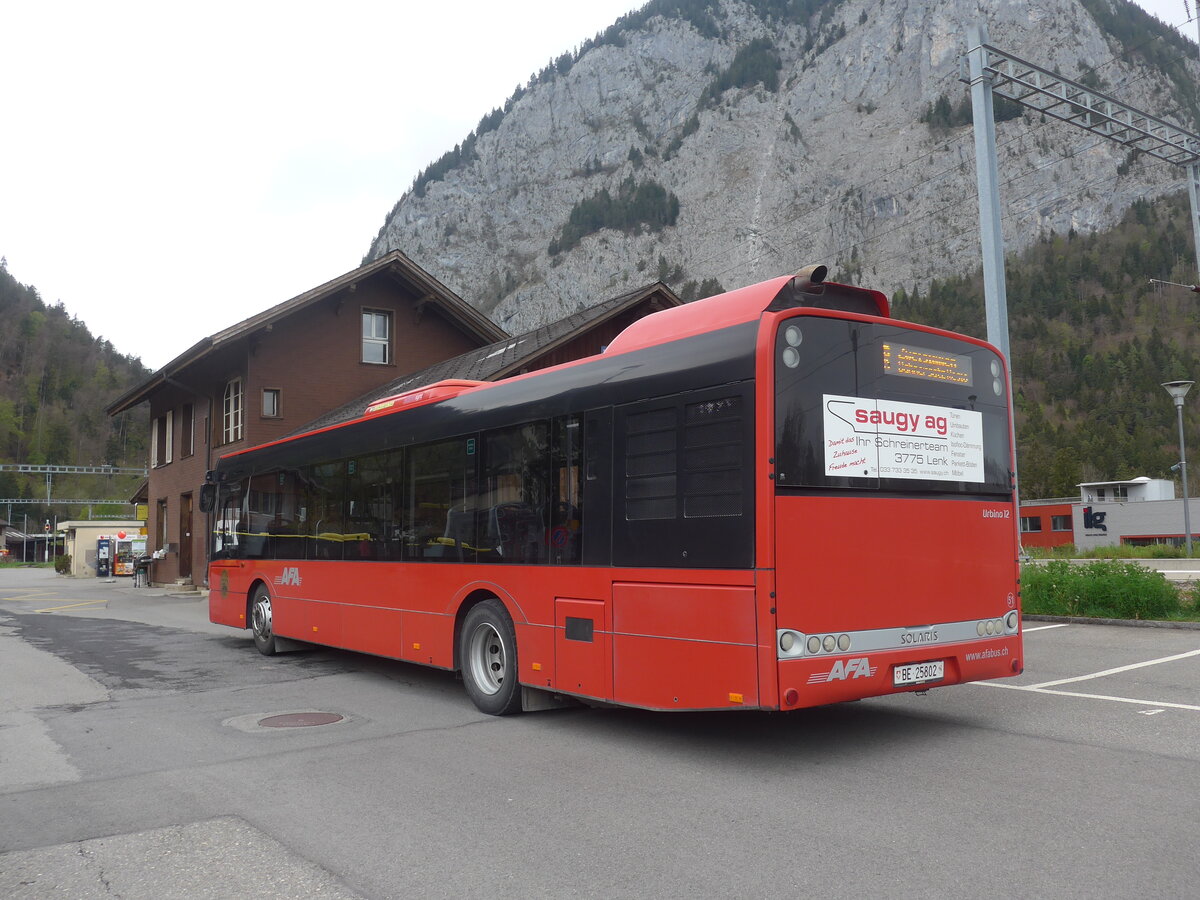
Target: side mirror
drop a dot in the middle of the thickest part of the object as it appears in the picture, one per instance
(208, 497)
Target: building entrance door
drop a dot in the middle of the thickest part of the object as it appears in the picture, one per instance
(185, 536)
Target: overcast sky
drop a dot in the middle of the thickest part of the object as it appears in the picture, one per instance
(167, 170)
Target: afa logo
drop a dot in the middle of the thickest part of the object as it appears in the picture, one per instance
(291, 575)
(845, 669)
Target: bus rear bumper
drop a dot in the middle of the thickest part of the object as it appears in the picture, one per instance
(835, 678)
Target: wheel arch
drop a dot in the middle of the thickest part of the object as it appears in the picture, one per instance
(472, 599)
(250, 592)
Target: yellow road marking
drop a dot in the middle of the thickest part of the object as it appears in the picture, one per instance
(72, 606)
(29, 596)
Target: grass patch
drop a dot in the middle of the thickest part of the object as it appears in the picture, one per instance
(1117, 551)
(1107, 589)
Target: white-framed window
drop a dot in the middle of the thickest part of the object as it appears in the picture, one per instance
(161, 439)
(1030, 524)
(232, 404)
(1060, 523)
(270, 403)
(376, 336)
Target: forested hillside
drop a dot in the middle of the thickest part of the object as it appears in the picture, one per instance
(55, 380)
(1092, 341)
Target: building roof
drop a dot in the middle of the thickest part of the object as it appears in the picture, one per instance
(105, 524)
(142, 494)
(505, 357)
(394, 264)
(1141, 479)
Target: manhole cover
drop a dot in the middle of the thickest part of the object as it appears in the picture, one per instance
(300, 720)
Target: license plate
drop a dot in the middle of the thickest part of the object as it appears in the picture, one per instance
(918, 673)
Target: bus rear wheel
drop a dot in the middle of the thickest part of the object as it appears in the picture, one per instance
(488, 653)
(261, 625)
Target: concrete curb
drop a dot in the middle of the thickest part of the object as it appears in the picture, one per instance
(1131, 623)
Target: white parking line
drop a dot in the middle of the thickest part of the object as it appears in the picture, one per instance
(1157, 704)
(1044, 627)
(1141, 665)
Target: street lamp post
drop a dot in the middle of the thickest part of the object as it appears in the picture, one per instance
(1177, 390)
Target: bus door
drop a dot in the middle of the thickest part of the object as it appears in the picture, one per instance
(580, 532)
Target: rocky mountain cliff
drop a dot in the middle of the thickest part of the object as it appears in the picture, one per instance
(714, 143)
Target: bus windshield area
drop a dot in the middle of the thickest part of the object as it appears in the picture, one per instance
(880, 407)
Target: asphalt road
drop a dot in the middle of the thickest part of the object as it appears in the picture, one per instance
(133, 765)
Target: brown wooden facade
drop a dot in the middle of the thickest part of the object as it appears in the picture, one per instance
(267, 376)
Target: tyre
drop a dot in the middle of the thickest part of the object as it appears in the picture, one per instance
(488, 652)
(261, 624)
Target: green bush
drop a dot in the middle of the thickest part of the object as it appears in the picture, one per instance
(1163, 551)
(62, 564)
(1102, 589)
(1190, 599)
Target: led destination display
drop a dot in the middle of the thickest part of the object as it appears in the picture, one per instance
(932, 365)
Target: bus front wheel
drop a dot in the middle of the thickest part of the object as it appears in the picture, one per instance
(488, 653)
(260, 621)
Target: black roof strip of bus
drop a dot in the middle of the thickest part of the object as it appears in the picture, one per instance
(718, 357)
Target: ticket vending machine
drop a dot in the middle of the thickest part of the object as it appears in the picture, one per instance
(104, 557)
(126, 553)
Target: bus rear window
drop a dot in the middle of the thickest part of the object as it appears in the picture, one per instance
(884, 407)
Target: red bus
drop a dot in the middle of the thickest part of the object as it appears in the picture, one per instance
(774, 498)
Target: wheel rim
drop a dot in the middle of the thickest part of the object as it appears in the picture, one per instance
(261, 617)
(486, 658)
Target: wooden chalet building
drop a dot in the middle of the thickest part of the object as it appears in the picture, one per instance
(319, 358)
(263, 377)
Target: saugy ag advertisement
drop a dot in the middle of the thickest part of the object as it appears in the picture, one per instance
(867, 438)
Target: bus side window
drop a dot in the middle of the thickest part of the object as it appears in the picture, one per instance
(566, 474)
(229, 527)
(325, 526)
(263, 503)
(596, 491)
(373, 507)
(283, 528)
(682, 482)
(439, 502)
(516, 482)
